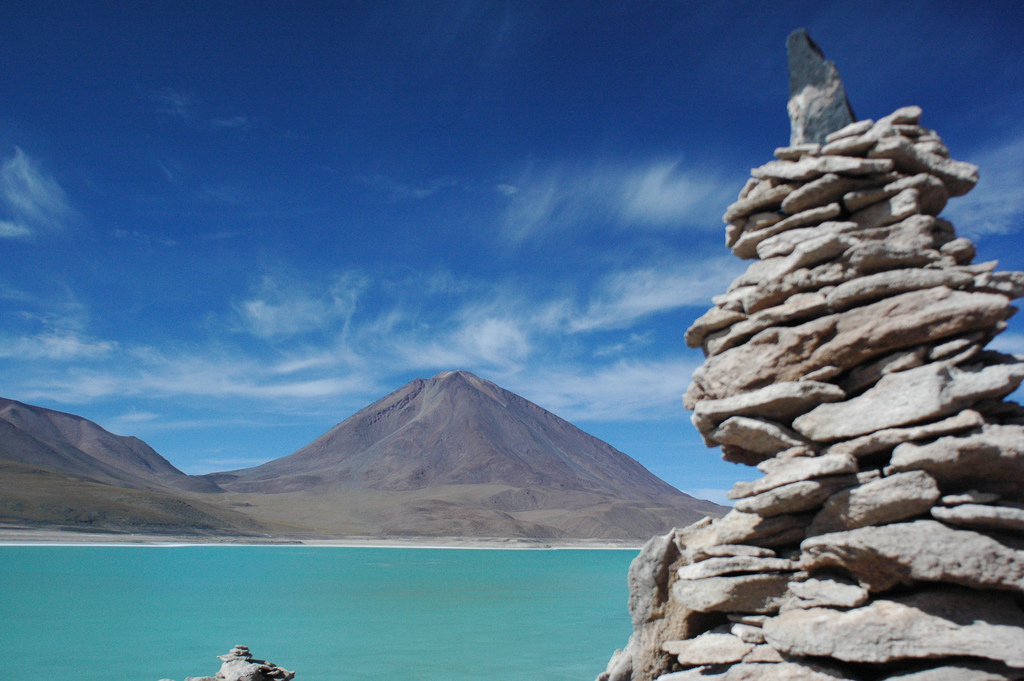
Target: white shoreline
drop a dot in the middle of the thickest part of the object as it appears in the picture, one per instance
(40, 537)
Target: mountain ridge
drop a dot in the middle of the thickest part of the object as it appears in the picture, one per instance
(452, 455)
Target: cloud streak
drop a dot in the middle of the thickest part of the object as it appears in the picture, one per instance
(283, 308)
(302, 344)
(664, 194)
(996, 205)
(31, 200)
(626, 297)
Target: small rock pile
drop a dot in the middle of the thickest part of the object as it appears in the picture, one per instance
(885, 539)
(239, 665)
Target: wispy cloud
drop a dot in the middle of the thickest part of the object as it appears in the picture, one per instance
(230, 122)
(187, 106)
(152, 374)
(996, 204)
(667, 194)
(61, 346)
(395, 191)
(176, 103)
(664, 194)
(142, 237)
(283, 307)
(32, 201)
(624, 297)
(494, 341)
(354, 336)
(624, 390)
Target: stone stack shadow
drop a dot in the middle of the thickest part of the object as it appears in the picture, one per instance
(885, 539)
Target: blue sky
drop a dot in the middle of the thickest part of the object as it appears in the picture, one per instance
(227, 226)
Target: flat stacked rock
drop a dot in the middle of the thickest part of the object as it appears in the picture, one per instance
(239, 665)
(885, 539)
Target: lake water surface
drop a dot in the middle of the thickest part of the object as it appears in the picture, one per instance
(143, 613)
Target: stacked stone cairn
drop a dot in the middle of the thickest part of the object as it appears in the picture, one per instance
(885, 539)
(239, 665)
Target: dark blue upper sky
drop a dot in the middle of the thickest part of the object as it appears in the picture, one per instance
(226, 226)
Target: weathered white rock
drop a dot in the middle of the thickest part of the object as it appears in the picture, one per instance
(745, 528)
(781, 402)
(745, 671)
(796, 497)
(798, 307)
(789, 171)
(715, 567)
(905, 115)
(758, 593)
(866, 375)
(763, 653)
(848, 146)
(891, 283)
(748, 634)
(803, 280)
(795, 470)
(709, 648)
(239, 665)
(890, 211)
(887, 500)
(850, 130)
(906, 397)
(1010, 284)
(990, 461)
(844, 340)
(885, 439)
(748, 245)
(999, 518)
(932, 194)
(757, 435)
(794, 152)
(961, 250)
(959, 177)
(810, 168)
(923, 550)
(933, 623)
(827, 189)
(713, 320)
(824, 593)
(728, 551)
(768, 200)
(971, 496)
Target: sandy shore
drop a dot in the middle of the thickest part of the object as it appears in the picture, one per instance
(13, 536)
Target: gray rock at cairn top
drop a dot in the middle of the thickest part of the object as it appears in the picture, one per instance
(817, 100)
(885, 539)
(239, 665)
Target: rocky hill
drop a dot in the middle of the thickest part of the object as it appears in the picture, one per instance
(453, 455)
(50, 439)
(456, 454)
(848, 363)
(61, 470)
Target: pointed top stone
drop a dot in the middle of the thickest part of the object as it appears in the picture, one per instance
(817, 99)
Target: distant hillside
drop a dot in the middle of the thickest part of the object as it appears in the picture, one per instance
(458, 454)
(71, 444)
(454, 455)
(58, 469)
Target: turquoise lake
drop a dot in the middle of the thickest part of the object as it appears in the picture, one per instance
(144, 613)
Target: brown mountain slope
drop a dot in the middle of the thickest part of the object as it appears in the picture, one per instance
(34, 497)
(456, 454)
(70, 444)
(61, 470)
